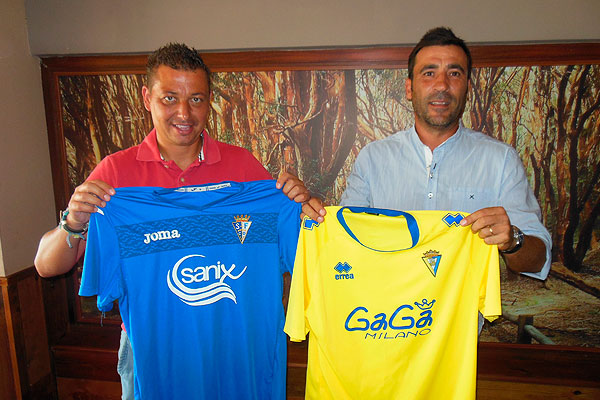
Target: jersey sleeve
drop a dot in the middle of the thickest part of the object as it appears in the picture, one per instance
(101, 273)
(489, 285)
(296, 325)
(288, 227)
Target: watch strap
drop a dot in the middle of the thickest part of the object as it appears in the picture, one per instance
(518, 238)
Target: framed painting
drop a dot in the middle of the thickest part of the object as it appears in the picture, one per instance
(310, 112)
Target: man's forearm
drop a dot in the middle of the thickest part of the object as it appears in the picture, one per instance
(54, 256)
(529, 258)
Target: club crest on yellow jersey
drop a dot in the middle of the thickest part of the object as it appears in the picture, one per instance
(432, 260)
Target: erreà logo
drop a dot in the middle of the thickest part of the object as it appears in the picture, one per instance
(309, 224)
(199, 285)
(242, 226)
(343, 269)
(452, 219)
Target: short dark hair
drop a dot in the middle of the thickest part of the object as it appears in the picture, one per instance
(440, 36)
(177, 56)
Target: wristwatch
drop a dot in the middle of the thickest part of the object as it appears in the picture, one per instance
(70, 232)
(518, 238)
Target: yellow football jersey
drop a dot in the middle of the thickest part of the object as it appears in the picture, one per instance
(390, 299)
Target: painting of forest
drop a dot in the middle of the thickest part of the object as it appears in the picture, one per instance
(314, 123)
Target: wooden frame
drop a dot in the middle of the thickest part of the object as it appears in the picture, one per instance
(296, 60)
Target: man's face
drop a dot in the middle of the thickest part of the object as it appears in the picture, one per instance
(179, 102)
(439, 87)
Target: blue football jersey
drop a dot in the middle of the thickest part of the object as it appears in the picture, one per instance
(197, 272)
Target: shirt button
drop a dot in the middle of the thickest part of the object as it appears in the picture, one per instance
(430, 195)
(431, 175)
(182, 179)
(166, 165)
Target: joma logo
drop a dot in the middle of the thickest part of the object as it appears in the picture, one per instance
(161, 235)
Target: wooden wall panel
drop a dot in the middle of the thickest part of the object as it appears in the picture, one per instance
(12, 314)
(86, 389)
(56, 306)
(559, 365)
(7, 383)
(24, 327)
(88, 352)
(33, 326)
(498, 390)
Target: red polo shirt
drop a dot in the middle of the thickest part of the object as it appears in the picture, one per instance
(142, 165)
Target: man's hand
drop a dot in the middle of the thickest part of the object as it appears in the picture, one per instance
(85, 200)
(314, 209)
(492, 225)
(54, 256)
(294, 189)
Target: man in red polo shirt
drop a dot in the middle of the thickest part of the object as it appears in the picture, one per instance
(177, 152)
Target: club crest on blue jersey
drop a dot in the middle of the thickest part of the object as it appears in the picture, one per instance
(343, 271)
(432, 260)
(309, 224)
(242, 226)
(199, 284)
(452, 219)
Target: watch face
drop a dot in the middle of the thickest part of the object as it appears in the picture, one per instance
(518, 240)
(518, 236)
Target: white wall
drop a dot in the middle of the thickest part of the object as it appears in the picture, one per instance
(117, 26)
(26, 196)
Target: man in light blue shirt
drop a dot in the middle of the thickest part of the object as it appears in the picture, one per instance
(439, 164)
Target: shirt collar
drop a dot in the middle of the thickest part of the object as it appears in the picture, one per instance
(210, 149)
(209, 154)
(448, 142)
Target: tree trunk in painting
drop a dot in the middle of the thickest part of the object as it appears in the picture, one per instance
(301, 121)
(573, 118)
(101, 115)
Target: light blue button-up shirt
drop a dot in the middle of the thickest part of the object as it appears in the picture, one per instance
(469, 171)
